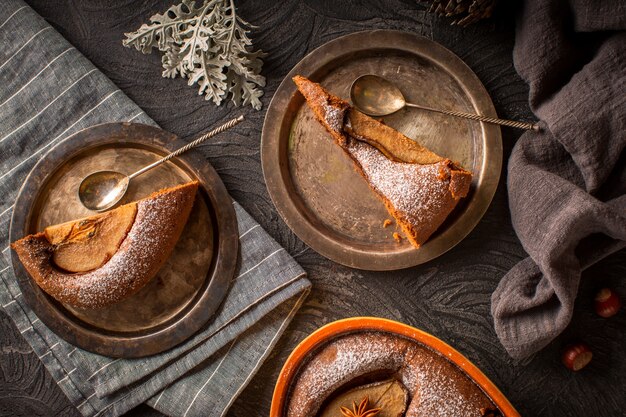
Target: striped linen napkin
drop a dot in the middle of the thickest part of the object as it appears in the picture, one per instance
(50, 91)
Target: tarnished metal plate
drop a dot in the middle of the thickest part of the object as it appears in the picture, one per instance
(313, 183)
(189, 287)
(179, 280)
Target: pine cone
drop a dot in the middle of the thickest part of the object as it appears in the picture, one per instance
(464, 12)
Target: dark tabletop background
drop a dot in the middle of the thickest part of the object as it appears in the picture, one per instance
(448, 297)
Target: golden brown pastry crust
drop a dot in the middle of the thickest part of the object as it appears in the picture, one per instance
(158, 224)
(393, 144)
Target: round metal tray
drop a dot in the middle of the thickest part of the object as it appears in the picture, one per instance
(312, 182)
(191, 285)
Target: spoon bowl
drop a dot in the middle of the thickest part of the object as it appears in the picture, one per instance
(102, 189)
(376, 96)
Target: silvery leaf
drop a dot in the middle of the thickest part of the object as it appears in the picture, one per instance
(208, 45)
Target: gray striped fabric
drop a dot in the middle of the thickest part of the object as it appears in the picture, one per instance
(50, 91)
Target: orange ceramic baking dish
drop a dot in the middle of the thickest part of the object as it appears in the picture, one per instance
(336, 328)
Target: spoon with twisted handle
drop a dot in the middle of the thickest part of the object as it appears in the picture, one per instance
(103, 189)
(376, 96)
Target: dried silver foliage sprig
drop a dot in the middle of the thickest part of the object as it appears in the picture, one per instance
(208, 45)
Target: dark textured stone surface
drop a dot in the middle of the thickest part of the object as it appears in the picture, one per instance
(448, 297)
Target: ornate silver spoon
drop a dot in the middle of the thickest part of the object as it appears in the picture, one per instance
(103, 189)
(376, 96)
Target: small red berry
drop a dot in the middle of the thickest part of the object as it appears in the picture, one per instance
(576, 356)
(607, 303)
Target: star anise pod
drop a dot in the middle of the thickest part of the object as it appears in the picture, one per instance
(360, 411)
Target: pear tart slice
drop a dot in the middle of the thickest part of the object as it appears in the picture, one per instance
(102, 259)
(418, 187)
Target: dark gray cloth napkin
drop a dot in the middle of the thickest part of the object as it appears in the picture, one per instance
(50, 91)
(567, 184)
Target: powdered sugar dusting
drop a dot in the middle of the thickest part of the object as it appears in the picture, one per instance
(436, 387)
(439, 394)
(134, 257)
(333, 116)
(345, 359)
(417, 191)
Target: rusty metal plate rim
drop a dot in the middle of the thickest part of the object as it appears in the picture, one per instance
(204, 305)
(278, 122)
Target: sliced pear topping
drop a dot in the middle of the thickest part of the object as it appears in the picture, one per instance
(87, 244)
(390, 396)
